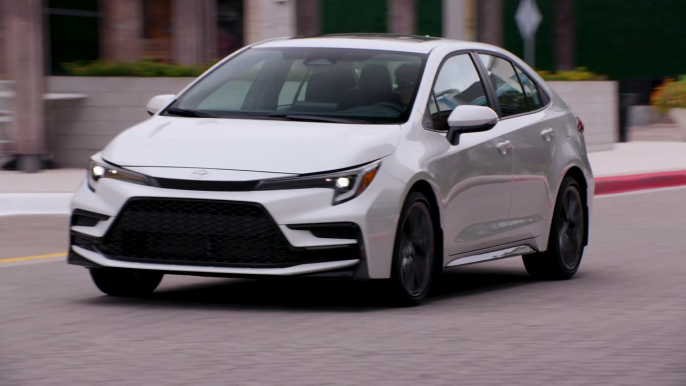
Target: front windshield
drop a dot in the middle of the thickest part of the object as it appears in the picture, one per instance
(309, 84)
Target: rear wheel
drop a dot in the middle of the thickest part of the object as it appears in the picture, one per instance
(413, 255)
(126, 282)
(566, 242)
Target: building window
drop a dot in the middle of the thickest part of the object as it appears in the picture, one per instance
(73, 32)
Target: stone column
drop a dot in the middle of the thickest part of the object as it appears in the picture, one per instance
(4, 57)
(194, 26)
(24, 36)
(307, 17)
(402, 17)
(459, 19)
(265, 19)
(121, 30)
(491, 22)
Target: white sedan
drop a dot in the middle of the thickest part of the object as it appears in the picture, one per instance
(345, 156)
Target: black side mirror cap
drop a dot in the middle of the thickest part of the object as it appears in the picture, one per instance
(454, 132)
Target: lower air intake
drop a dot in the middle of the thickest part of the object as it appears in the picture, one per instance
(215, 233)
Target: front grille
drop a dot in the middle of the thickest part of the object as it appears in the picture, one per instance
(199, 232)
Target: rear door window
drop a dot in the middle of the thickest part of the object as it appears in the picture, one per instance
(533, 95)
(508, 90)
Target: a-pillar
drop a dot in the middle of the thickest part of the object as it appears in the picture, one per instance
(266, 19)
(194, 25)
(402, 17)
(24, 34)
(121, 30)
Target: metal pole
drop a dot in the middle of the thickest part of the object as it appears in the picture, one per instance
(530, 50)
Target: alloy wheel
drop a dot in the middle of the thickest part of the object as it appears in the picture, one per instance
(416, 249)
(571, 228)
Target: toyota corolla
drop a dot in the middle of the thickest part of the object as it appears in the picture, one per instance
(346, 156)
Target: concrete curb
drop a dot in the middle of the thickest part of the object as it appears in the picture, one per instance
(16, 204)
(633, 182)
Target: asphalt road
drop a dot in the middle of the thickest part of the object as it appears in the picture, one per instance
(620, 321)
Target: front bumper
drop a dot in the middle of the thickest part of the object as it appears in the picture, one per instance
(374, 212)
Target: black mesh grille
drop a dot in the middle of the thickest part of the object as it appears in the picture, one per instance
(205, 233)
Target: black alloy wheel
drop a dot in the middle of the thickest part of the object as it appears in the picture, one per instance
(413, 256)
(566, 241)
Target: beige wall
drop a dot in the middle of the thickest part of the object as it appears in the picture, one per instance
(78, 129)
(265, 19)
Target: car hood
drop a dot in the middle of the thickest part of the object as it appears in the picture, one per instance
(252, 145)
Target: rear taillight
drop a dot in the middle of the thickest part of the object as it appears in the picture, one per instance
(580, 125)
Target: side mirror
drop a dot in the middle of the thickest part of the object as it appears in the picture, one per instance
(159, 102)
(469, 119)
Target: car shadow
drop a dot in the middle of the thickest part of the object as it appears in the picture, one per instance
(316, 295)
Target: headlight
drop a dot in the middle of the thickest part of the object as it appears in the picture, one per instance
(346, 184)
(98, 171)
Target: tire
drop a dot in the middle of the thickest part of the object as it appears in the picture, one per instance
(413, 253)
(126, 282)
(566, 242)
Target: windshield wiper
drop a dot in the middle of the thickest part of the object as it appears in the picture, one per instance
(315, 118)
(188, 113)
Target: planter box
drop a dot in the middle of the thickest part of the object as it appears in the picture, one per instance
(78, 129)
(597, 104)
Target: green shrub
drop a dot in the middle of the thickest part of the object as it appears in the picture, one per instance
(580, 74)
(143, 68)
(669, 95)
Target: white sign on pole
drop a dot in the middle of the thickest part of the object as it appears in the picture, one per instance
(528, 19)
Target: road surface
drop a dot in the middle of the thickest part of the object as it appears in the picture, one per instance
(620, 321)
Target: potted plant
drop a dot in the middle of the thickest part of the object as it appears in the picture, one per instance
(670, 97)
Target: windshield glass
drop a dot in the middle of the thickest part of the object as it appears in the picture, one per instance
(331, 85)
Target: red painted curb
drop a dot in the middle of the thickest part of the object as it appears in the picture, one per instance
(633, 182)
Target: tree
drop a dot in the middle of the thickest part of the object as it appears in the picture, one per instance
(490, 22)
(565, 35)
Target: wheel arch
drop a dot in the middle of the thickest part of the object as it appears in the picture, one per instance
(424, 187)
(577, 174)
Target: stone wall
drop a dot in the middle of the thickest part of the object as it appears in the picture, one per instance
(266, 19)
(80, 128)
(596, 103)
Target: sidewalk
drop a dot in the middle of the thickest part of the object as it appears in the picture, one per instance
(627, 167)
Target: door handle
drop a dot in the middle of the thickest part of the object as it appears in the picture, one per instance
(504, 146)
(548, 134)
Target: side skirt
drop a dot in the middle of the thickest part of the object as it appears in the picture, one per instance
(493, 255)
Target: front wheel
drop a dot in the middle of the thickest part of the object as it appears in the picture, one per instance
(126, 282)
(413, 255)
(566, 242)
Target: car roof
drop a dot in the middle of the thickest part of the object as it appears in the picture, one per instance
(387, 42)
